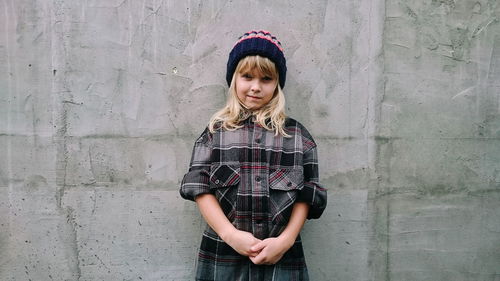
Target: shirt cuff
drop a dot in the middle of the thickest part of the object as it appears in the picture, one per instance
(315, 196)
(195, 183)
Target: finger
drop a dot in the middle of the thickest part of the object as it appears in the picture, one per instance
(259, 259)
(259, 246)
(256, 261)
(253, 254)
(256, 241)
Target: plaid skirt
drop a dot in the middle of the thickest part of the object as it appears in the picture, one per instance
(217, 261)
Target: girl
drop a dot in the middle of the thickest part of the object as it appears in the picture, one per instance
(254, 173)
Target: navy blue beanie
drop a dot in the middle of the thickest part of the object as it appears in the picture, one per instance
(260, 43)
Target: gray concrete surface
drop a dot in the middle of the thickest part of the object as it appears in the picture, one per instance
(100, 103)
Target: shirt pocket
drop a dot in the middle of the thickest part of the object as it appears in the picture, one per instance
(284, 185)
(224, 180)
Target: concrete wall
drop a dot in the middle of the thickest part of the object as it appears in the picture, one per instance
(101, 100)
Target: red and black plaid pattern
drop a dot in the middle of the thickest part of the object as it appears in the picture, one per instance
(256, 177)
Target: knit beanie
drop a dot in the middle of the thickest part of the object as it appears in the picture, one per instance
(260, 43)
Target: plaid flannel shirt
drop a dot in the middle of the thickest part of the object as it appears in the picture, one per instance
(256, 177)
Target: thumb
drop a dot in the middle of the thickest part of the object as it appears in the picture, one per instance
(258, 247)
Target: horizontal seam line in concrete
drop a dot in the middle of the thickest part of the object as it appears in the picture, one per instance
(195, 136)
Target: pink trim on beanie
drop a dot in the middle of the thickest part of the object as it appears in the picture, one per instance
(250, 36)
(261, 31)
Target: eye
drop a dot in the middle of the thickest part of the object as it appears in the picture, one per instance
(246, 75)
(267, 78)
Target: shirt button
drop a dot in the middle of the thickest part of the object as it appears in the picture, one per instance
(217, 181)
(257, 179)
(257, 140)
(289, 184)
(259, 221)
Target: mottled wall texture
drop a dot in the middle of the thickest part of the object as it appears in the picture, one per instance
(101, 101)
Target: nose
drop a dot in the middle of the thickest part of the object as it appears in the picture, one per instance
(255, 87)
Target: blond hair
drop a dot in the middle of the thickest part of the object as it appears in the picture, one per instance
(271, 116)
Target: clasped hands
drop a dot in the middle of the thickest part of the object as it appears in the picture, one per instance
(263, 252)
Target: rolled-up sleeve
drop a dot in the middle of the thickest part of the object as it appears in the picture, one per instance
(312, 192)
(196, 180)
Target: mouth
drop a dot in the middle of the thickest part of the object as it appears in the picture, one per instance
(254, 97)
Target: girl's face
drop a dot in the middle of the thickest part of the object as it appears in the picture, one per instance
(255, 89)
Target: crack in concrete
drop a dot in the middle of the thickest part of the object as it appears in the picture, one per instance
(74, 232)
(94, 199)
(62, 101)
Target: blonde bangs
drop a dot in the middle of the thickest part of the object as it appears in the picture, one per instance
(261, 65)
(271, 116)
